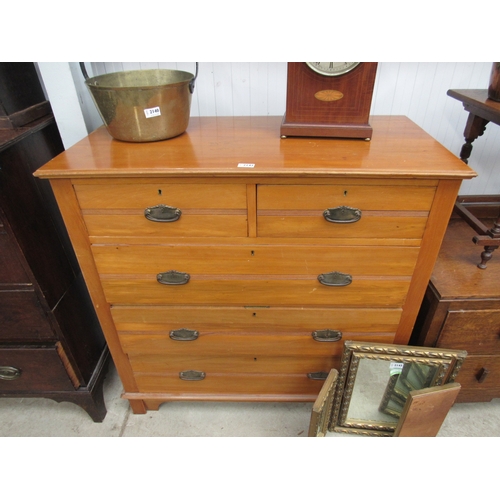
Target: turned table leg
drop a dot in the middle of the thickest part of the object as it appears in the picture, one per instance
(474, 128)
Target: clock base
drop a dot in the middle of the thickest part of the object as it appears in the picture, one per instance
(338, 130)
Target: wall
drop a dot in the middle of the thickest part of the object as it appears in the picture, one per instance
(417, 90)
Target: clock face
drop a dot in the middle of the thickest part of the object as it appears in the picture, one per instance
(332, 68)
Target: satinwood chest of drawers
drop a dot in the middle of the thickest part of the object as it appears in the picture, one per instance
(230, 264)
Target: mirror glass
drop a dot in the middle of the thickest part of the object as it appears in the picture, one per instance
(375, 380)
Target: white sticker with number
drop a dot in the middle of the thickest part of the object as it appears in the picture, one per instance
(151, 112)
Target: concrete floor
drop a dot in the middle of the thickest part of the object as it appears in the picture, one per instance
(39, 417)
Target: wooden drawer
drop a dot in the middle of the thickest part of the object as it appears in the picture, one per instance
(472, 372)
(114, 211)
(157, 364)
(301, 291)
(255, 259)
(294, 387)
(162, 347)
(11, 269)
(476, 331)
(23, 318)
(40, 369)
(161, 320)
(398, 211)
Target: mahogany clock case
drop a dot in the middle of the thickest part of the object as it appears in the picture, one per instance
(329, 106)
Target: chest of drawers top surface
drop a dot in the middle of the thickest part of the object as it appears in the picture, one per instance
(216, 146)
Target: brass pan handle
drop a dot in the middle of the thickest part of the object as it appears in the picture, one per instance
(335, 278)
(162, 213)
(327, 335)
(9, 372)
(184, 334)
(192, 375)
(342, 215)
(173, 278)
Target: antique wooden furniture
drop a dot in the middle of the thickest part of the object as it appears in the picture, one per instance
(461, 310)
(481, 112)
(329, 99)
(230, 264)
(51, 343)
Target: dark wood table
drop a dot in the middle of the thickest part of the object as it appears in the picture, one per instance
(481, 112)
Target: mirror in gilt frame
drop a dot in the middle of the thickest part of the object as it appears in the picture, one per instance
(375, 379)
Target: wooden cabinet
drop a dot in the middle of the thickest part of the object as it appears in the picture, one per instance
(51, 343)
(461, 310)
(230, 264)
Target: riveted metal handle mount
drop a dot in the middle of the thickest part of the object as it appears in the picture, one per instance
(335, 278)
(342, 215)
(162, 213)
(173, 278)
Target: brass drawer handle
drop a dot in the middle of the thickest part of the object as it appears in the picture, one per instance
(184, 334)
(172, 278)
(192, 375)
(9, 373)
(327, 335)
(335, 278)
(317, 375)
(162, 213)
(342, 215)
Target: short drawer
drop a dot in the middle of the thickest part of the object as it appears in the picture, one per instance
(476, 331)
(224, 386)
(255, 259)
(23, 318)
(32, 369)
(343, 211)
(138, 210)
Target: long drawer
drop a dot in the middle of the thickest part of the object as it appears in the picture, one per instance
(255, 259)
(296, 387)
(243, 290)
(33, 369)
(163, 319)
(229, 345)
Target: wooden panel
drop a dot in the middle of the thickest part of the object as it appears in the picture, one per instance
(140, 196)
(162, 319)
(235, 344)
(477, 331)
(364, 197)
(235, 384)
(11, 270)
(256, 290)
(254, 259)
(371, 225)
(425, 410)
(190, 224)
(156, 364)
(23, 318)
(41, 370)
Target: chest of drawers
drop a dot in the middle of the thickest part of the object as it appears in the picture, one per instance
(230, 264)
